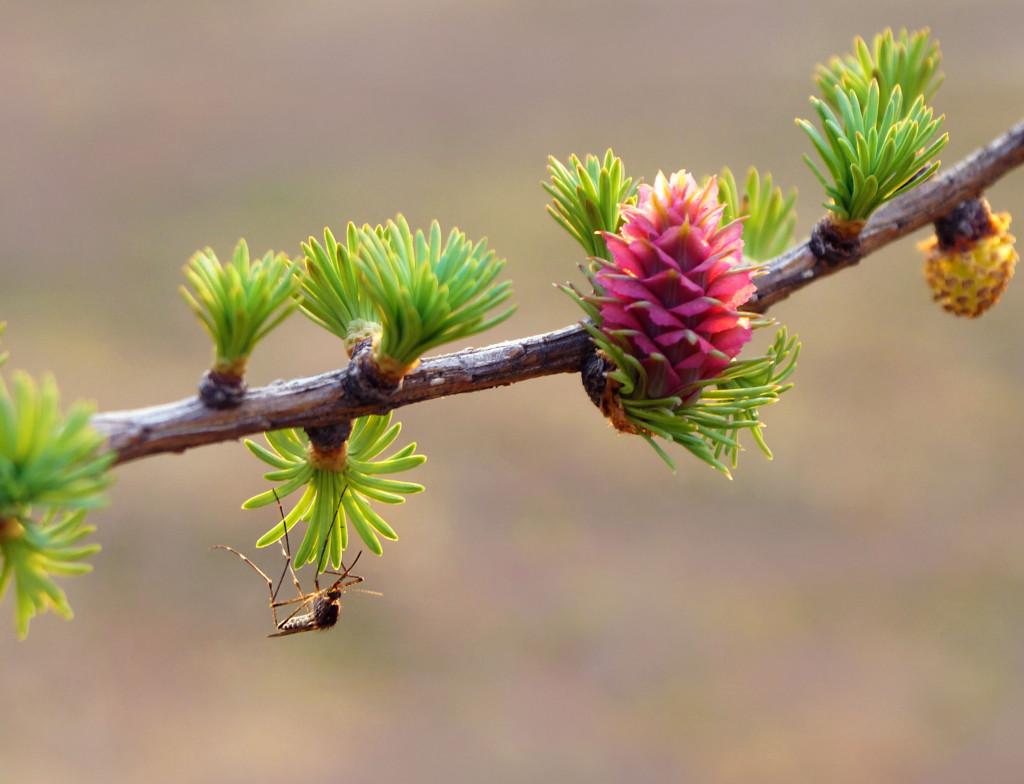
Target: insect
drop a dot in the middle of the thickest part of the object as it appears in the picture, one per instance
(316, 611)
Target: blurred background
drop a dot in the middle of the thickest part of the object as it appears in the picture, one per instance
(560, 606)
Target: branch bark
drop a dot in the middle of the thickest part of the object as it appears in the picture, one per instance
(319, 400)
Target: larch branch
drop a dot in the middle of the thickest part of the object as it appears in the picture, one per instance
(321, 399)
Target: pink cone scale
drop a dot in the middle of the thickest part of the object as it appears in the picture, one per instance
(671, 296)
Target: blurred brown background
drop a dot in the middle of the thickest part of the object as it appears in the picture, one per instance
(560, 607)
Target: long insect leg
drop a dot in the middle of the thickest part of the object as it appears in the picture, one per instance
(346, 569)
(286, 549)
(304, 599)
(327, 539)
(353, 564)
(280, 581)
(320, 560)
(260, 572)
(356, 579)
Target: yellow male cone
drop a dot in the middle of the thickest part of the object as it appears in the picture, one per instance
(970, 260)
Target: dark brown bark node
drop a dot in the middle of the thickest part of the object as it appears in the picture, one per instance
(964, 225)
(221, 390)
(834, 246)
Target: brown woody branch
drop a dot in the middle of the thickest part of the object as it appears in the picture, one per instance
(319, 400)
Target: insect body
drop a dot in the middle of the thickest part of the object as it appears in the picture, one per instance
(315, 611)
(324, 615)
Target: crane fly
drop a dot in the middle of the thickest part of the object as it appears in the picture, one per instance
(315, 611)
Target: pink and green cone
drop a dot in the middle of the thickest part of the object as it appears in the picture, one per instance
(669, 282)
(672, 292)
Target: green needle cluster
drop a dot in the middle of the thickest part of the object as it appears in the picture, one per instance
(769, 217)
(333, 294)
(333, 497)
(407, 291)
(587, 198)
(47, 459)
(239, 302)
(909, 61)
(53, 465)
(872, 152)
(428, 290)
(36, 553)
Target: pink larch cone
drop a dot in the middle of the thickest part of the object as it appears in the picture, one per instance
(672, 293)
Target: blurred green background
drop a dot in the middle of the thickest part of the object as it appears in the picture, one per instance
(560, 607)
